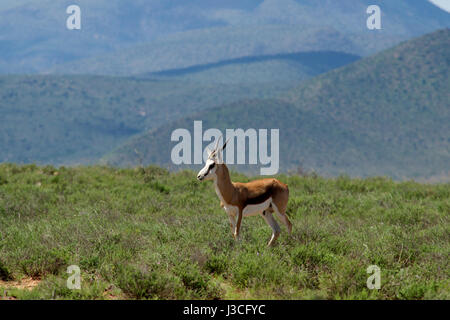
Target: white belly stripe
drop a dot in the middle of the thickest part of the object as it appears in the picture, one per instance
(254, 209)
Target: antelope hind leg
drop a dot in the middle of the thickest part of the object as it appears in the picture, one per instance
(276, 230)
(284, 218)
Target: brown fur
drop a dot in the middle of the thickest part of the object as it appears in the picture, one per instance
(242, 194)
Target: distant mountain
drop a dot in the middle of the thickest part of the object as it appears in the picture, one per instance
(127, 37)
(188, 49)
(383, 115)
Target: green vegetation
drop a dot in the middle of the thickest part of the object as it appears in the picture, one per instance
(146, 233)
(383, 115)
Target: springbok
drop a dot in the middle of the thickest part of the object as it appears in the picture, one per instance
(263, 196)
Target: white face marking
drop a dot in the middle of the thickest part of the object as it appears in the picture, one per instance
(254, 209)
(209, 170)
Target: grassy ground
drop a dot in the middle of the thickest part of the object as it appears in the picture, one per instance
(147, 234)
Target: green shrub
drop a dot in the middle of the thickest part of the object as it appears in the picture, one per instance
(5, 274)
(149, 284)
(217, 264)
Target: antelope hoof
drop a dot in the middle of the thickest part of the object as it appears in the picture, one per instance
(271, 243)
(273, 239)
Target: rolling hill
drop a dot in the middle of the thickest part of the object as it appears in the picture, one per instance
(383, 115)
(76, 119)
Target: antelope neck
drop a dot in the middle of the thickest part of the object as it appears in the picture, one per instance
(224, 187)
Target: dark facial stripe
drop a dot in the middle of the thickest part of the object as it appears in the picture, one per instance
(210, 167)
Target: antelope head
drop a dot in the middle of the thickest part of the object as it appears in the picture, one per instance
(214, 159)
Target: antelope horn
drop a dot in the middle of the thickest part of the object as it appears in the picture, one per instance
(225, 144)
(217, 143)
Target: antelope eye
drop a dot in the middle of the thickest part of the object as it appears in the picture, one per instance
(212, 165)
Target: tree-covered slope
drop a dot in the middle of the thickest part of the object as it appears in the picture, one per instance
(383, 115)
(76, 119)
(400, 96)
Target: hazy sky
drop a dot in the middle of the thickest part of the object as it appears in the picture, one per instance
(444, 4)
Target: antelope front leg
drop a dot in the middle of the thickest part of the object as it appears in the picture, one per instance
(232, 224)
(231, 216)
(238, 224)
